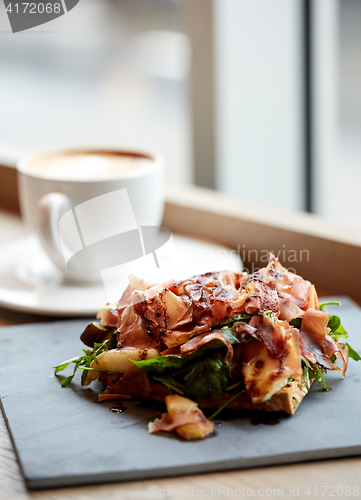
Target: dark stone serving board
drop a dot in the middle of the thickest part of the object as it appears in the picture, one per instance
(64, 437)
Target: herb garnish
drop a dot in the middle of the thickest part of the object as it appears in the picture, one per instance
(217, 412)
(270, 315)
(310, 372)
(198, 375)
(296, 322)
(83, 362)
(245, 318)
(331, 303)
(233, 386)
(229, 333)
(338, 331)
(352, 353)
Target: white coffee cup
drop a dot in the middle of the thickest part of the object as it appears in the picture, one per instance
(59, 182)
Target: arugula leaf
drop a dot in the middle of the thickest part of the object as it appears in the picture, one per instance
(337, 330)
(205, 379)
(114, 340)
(229, 333)
(217, 412)
(61, 368)
(339, 333)
(233, 386)
(246, 318)
(334, 323)
(169, 382)
(332, 303)
(83, 361)
(312, 371)
(83, 377)
(67, 380)
(170, 362)
(320, 377)
(270, 315)
(306, 376)
(296, 322)
(199, 375)
(174, 362)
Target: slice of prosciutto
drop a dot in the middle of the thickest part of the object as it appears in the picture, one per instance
(289, 310)
(111, 314)
(212, 294)
(162, 308)
(255, 296)
(332, 347)
(131, 334)
(343, 350)
(287, 282)
(177, 337)
(174, 312)
(205, 338)
(273, 334)
(184, 416)
(313, 299)
(315, 343)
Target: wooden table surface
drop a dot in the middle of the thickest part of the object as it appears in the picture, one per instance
(308, 480)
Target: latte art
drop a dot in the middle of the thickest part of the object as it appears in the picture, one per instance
(87, 166)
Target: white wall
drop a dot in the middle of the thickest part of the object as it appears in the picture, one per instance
(325, 101)
(259, 120)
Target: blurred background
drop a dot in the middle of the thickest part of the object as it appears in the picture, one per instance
(260, 99)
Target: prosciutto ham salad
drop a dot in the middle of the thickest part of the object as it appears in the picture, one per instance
(252, 341)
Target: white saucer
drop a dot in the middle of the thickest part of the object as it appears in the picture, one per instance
(50, 296)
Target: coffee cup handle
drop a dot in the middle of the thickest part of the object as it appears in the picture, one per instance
(51, 207)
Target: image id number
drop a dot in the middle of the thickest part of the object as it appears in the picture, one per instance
(34, 8)
(333, 491)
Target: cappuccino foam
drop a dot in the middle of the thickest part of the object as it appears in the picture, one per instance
(86, 166)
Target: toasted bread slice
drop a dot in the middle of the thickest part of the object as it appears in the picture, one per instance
(286, 400)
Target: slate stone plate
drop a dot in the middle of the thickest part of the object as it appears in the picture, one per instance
(63, 437)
